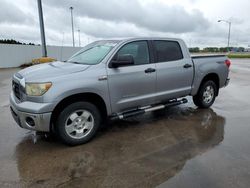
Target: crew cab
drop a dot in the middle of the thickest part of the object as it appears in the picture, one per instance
(113, 79)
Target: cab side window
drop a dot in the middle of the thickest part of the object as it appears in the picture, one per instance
(167, 51)
(139, 51)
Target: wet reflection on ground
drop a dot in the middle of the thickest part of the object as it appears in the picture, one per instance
(144, 151)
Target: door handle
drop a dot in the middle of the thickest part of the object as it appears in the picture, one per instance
(186, 66)
(149, 70)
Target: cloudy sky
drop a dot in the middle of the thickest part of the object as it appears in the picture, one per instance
(195, 21)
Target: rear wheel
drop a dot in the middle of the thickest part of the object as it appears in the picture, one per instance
(206, 94)
(78, 123)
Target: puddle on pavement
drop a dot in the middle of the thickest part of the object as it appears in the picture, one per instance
(144, 151)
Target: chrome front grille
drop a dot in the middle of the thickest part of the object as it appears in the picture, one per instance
(18, 84)
(16, 89)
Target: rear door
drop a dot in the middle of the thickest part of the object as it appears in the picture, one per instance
(134, 85)
(174, 71)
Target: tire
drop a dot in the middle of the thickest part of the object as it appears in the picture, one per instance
(78, 123)
(205, 100)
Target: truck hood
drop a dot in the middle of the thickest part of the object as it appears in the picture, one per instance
(47, 71)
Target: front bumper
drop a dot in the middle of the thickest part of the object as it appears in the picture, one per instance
(29, 120)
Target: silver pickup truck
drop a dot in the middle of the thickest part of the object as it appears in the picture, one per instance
(113, 79)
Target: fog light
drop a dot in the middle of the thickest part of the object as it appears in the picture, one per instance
(30, 121)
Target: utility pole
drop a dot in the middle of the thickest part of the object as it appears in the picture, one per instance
(229, 32)
(40, 12)
(72, 23)
(79, 37)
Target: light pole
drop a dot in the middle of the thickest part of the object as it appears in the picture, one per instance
(72, 23)
(40, 12)
(62, 44)
(79, 37)
(229, 32)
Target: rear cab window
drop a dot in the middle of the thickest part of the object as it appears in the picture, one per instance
(165, 51)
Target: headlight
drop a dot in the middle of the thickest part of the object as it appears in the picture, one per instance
(37, 89)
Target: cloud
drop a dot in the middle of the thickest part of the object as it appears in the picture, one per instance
(10, 13)
(25, 32)
(107, 29)
(151, 16)
(193, 20)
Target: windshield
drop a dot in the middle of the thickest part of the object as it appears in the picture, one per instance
(93, 53)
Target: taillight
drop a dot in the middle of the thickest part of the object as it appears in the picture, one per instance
(228, 63)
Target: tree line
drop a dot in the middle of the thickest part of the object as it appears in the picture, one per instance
(12, 41)
(192, 50)
(216, 49)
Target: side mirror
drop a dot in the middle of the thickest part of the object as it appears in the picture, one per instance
(123, 60)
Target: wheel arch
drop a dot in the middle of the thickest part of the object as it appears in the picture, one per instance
(93, 98)
(214, 77)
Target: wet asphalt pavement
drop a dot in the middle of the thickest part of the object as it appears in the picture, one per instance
(180, 147)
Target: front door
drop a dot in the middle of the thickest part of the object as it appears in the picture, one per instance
(134, 85)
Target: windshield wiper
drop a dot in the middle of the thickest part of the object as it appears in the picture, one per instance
(75, 62)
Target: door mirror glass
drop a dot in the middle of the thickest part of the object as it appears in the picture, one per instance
(123, 60)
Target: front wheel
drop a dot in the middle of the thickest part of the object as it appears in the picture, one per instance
(78, 123)
(206, 94)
